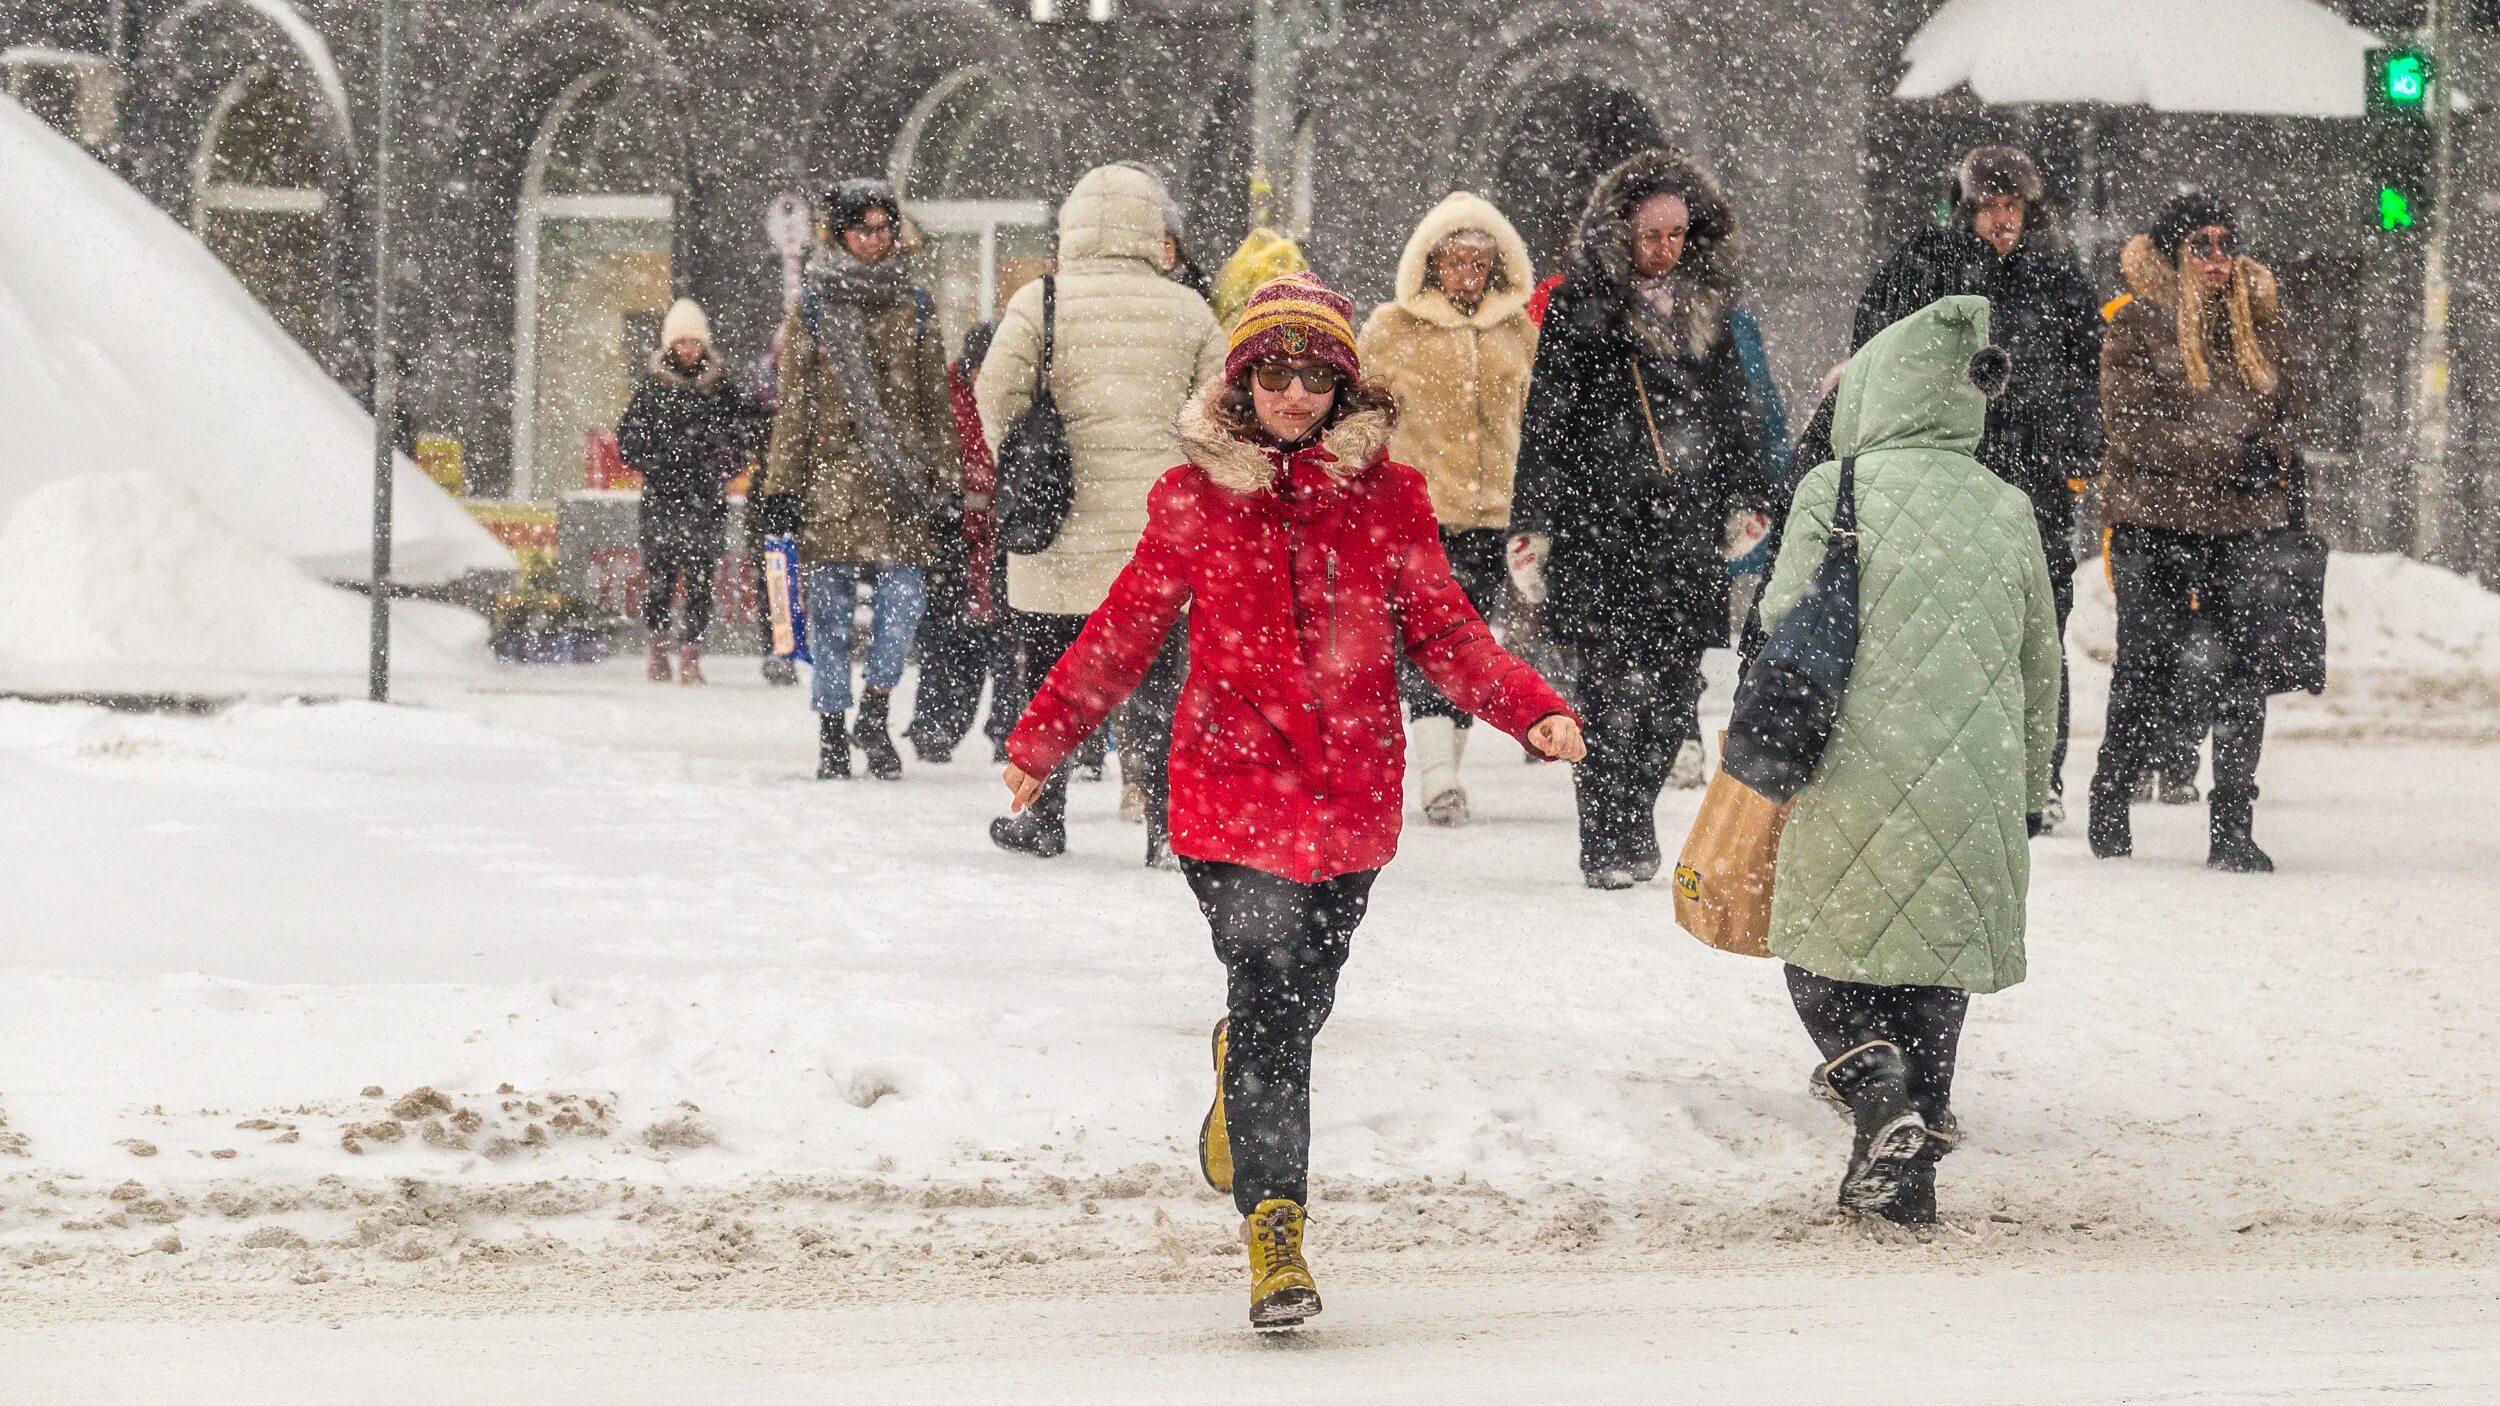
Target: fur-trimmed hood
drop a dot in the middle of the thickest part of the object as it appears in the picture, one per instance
(1231, 456)
(1514, 273)
(705, 379)
(2250, 305)
(1705, 281)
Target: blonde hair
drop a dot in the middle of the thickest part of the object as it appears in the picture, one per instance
(2255, 371)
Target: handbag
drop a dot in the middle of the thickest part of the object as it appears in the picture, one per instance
(1036, 473)
(785, 602)
(1723, 879)
(2277, 596)
(1790, 696)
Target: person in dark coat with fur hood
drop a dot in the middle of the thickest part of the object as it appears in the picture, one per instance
(1642, 435)
(683, 431)
(2003, 243)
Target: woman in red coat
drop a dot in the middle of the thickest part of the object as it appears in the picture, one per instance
(1306, 560)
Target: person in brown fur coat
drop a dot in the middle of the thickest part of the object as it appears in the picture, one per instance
(2197, 406)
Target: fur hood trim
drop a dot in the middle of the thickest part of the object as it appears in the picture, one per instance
(704, 381)
(1514, 276)
(2251, 301)
(1225, 450)
(1705, 280)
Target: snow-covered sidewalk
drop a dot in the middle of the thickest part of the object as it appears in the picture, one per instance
(568, 992)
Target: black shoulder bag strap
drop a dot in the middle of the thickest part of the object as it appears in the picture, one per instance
(1050, 316)
(1845, 506)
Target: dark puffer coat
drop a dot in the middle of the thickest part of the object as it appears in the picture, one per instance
(685, 431)
(1635, 564)
(2046, 427)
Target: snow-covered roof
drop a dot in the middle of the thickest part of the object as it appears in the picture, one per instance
(126, 346)
(2289, 58)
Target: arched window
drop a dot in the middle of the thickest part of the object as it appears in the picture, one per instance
(597, 226)
(973, 167)
(259, 202)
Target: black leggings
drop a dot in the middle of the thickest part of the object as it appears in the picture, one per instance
(1925, 1021)
(2167, 583)
(1282, 944)
(664, 566)
(1641, 709)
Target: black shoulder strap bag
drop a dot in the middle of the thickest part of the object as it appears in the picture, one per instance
(1036, 473)
(1790, 696)
(2278, 598)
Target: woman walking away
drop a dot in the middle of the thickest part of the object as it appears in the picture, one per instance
(683, 432)
(1642, 435)
(1455, 349)
(1307, 560)
(865, 441)
(1905, 866)
(2198, 412)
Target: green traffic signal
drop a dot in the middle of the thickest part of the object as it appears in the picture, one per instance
(2407, 78)
(2395, 209)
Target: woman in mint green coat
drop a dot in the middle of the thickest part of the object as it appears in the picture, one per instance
(1905, 866)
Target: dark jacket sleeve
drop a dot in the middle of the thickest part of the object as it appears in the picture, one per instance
(638, 434)
(1546, 434)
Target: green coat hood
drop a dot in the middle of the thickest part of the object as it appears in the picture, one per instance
(1910, 386)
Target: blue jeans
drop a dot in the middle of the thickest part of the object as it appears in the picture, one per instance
(900, 597)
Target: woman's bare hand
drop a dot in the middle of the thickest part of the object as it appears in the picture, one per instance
(1558, 737)
(1022, 790)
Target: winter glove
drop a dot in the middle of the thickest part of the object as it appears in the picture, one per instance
(2258, 471)
(1527, 565)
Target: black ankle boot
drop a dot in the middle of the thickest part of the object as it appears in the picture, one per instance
(2230, 816)
(2111, 827)
(1030, 833)
(833, 748)
(1890, 1135)
(875, 742)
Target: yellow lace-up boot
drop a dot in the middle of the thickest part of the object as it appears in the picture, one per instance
(1281, 1291)
(1215, 1149)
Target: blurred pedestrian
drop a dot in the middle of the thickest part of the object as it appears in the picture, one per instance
(684, 431)
(1455, 348)
(1263, 254)
(1128, 345)
(1642, 438)
(2199, 408)
(1307, 559)
(865, 441)
(1904, 868)
(958, 644)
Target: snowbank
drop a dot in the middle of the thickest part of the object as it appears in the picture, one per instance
(2387, 617)
(2289, 58)
(126, 582)
(125, 345)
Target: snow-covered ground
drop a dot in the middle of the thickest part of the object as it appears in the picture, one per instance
(559, 994)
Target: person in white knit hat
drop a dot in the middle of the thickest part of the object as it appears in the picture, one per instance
(684, 432)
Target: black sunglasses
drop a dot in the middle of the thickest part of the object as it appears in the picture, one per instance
(2214, 244)
(1275, 376)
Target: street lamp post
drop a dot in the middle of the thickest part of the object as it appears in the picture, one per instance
(385, 363)
(2437, 539)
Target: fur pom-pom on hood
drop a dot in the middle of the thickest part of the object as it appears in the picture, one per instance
(1705, 279)
(1514, 276)
(1228, 450)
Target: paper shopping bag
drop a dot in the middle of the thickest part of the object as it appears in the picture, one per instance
(1723, 878)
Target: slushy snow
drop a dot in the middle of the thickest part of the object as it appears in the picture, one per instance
(127, 347)
(124, 582)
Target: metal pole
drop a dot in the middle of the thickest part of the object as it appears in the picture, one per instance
(2435, 532)
(385, 363)
(1278, 31)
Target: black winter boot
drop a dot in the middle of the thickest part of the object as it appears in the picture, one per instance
(2111, 827)
(833, 748)
(1914, 1204)
(1890, 1136)
(1029, 833)
(2231, 814)
(875, 742)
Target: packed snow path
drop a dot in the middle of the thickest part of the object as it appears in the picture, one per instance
(653, 1022)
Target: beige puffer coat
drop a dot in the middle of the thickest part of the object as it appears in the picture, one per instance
(1461, 379)
(1130, 347)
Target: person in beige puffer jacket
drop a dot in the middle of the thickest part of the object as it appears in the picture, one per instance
(1455, 348)
(1129, 347)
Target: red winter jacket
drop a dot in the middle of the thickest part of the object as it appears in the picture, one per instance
(1303, 576)
(980, 493)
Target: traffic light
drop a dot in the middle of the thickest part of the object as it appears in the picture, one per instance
(2396, 138)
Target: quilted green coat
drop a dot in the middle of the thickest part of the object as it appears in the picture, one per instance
(1906, 860)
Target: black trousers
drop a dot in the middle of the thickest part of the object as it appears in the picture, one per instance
(1479, 559)
(1639, 709)
(1925, 1021)
(958, 659)
(2166, 582)
(1282, 944)
(1041, 640)
(668, 564)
